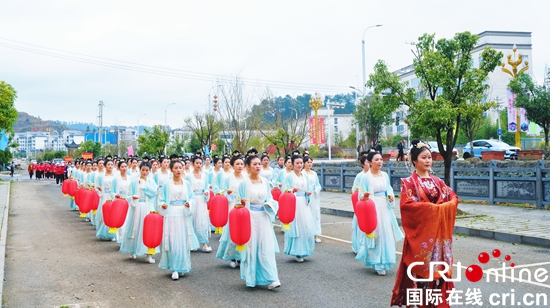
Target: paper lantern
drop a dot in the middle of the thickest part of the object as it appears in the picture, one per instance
(209, 202)
(117, 211)
(239, 226)
(354, 199)
(276, 193)
(65, 187)
(219, 212)
(366, 216)
(95, 200)
(84, 199)
(72, 187)
(152, 231)
(287, 209)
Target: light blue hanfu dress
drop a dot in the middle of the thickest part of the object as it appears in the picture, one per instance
(314, 202)
(105, 195)
(258, 265)
(379, 253)
(178, 238)
(121, 186)
(72, 173)
(201, 220)
(89, 181)
(356, 234)
(227, 249)
(300, 239)
(146, 191)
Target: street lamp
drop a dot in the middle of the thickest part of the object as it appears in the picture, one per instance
(357, 122)
(165, 125)
(363, 49)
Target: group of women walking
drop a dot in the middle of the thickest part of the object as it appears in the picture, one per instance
(179, 191)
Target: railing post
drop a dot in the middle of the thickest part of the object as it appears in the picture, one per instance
(539, 187)
(342, 179)
(323, 166)
(492, 183)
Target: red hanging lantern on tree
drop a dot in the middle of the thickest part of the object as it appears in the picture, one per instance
(276, 193)
(116, 211)
(152, 231)
(287, 209)
(239, 226)
(219, 212)
(354, 199)
(366, 216)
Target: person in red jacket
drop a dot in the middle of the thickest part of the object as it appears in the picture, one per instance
(59, 172)
(30, 169)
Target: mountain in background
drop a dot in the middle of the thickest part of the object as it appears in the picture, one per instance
(27, 123)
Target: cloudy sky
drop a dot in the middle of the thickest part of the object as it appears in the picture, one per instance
(138, 57)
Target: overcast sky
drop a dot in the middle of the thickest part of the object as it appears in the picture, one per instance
(138, 57)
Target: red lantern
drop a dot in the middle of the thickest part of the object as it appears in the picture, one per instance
(276, 193)
(219, 212)
(83, 199)
(209, 202)
(64, 187)
(287, 209)
(366, 216)
(72, 187)
(354, 199)
(239, 226)
(116, 212)
(94, 200)
(152, 231)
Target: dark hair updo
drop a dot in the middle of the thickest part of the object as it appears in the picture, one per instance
(418, 146)
(371, 155)
(250, 158)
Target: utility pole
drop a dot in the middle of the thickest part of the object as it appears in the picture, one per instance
(100, 119)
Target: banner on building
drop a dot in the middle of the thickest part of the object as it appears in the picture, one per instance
(316, 131)
(87, 155)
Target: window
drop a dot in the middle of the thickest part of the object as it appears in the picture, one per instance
(335, 121)
(415, 83)
(480, 59)
(400, 128)
(335, 128)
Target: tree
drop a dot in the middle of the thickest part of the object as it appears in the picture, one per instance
(371, 115)
(471, 121)
(91, 147)
(205, 127)
(153, 142)
(535, 99)
(449, 86)
(8, 116)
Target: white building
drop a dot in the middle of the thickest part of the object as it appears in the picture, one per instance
(503, 41)
(35, 142)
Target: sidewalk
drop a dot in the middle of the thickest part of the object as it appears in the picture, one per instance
(502, 223)
(4, 208)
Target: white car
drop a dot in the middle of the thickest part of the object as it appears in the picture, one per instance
(435, 149)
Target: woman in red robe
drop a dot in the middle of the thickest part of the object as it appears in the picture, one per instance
(428, 211)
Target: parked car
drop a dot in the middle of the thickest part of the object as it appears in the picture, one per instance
(482, 145)
(435, 149)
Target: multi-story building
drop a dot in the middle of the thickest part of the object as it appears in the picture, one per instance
(36, 142)
(503, 41)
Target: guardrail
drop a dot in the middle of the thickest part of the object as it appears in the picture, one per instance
(493, 181)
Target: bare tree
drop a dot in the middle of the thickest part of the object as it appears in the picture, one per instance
(204, 126)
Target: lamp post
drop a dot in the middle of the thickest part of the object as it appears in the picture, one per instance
(315, 103)
(363, 56)
(165, 125)
(357, 122)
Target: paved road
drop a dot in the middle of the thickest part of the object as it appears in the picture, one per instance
(54, 259)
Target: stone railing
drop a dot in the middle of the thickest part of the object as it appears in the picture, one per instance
(525, 181)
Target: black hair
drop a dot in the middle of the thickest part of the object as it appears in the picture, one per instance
(172, 163)
(163, 159)
(145, 164)
(307, 158)
(295, 157)
(226, 158)
(194, 158)
(122, 162)
(249, 159)
(362, 159)
(235, 158)
(216, 160)
(264, 156)
(371, 155)
(287, 158)
(416, 149)
(107, 161)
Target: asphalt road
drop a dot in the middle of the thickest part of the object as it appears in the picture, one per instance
(54, 259)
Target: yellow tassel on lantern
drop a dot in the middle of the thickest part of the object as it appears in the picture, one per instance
(72, 197)
(112, 230)
(151, 251)
(82, 215)
(286, 226)
(219, 230)
(65, 195)
(94, 211)
(240, 248)
(370, 235)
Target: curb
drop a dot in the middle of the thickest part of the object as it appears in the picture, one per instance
(492, 235)
(3, 236)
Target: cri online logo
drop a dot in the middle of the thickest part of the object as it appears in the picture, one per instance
(474, 272)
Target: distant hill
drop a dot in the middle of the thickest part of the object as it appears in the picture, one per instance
(28, 123)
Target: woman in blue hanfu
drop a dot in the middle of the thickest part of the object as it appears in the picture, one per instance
(178, 239)
(356, 233)
(104, 186)
(121, 189)
(379, 252)
(144, 198)
(314, 201)
(300, 239)
(227, 249)
(258, 266)
(201, 221)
